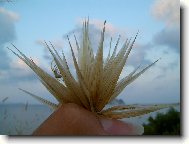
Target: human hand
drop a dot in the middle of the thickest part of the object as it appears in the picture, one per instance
(71, 119)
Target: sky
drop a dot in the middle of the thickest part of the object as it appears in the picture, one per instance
(27, 24)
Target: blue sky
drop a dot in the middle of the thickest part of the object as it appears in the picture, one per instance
(26, 23)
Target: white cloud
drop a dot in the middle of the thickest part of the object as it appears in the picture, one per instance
(58, 43)
(19, 64)
(7, 34)
(12, 15)
(167, 11)
(168, 37)
(111, 30)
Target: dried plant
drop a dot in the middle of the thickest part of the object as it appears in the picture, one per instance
(97, 79)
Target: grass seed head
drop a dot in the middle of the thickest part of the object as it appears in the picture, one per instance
(97, 79)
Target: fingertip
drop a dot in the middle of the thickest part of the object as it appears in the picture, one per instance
(138, 129)
(116, 127)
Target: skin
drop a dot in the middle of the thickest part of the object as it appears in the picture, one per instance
(71, 119)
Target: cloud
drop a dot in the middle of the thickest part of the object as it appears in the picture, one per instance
(167, 11)
(4, 59)
(17, 72)
(2, 2)
(95, 28)
(97, 25)
(169, 38)
(12, 15)
(164, 88)
(7, 23)
(160, 84)
(57, 43)
(137, 55)
(12, 71)
(7, 34)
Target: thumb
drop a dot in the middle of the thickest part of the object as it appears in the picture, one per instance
(116, 127)
(71, 119)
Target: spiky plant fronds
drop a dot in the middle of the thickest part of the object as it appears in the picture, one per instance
(97, 80)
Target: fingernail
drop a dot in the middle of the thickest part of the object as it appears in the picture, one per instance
(106, 124)
(116, 127)
(138, 129)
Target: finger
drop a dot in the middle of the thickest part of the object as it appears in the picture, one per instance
(116, 127)
(71, 119)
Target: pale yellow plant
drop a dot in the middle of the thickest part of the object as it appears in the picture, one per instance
(97, 79)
